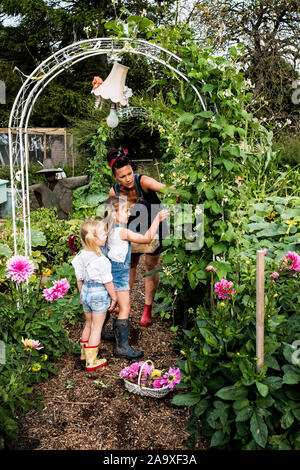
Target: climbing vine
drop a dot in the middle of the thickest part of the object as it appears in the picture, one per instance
(222, 157)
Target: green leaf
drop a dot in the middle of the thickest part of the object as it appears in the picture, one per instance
(232, 393)
(258, 429)
(274, 383)
(209, 193)
(233, 52)
(186, 399)
(206, 114)
(229, 130)
(207, 88)
(201, 407)
(209, 337)
(94, 199)
(38, 238)
(223, 161)
(243, 415)
(209, 241)
(287, 420)
(187, 118)
(219, 248)
(296, 413)
(217, 438)
(233, 150)
(291, 374)
(5, 251)
(240, 404)
(262, 388)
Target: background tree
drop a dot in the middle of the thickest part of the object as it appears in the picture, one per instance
(30, 31)
(270, 33)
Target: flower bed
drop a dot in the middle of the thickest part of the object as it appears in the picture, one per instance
(32, 335)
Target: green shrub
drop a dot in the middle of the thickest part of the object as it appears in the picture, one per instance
(288, 147)
(231, 402)
(26, 314)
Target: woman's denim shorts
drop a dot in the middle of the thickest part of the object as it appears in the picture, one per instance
(94, 297)
(120, 272)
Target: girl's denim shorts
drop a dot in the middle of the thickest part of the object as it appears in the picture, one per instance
(120, 272)
(120, 275)
(94, 297)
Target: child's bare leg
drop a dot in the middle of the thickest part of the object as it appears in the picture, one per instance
(96, 328)
(87, 327)
(124, 304)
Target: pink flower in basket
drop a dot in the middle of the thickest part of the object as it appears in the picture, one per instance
(131, 373)
(171, 378)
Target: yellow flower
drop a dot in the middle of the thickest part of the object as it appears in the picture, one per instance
(275, 295)
(222, 304)
(156, 373)
(290, 224)
(48, 272)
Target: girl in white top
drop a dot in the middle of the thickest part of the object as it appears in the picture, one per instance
(119, 253)
(97, 293)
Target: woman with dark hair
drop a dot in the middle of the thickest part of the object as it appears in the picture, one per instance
(141, 193)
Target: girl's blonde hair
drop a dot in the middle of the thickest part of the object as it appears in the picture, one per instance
(89, 232)
(113, 205)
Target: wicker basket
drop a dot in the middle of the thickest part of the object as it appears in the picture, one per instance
(145, 391)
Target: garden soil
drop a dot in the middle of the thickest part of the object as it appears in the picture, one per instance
(94, 411)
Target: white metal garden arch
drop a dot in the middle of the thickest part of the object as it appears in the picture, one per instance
(30, 91)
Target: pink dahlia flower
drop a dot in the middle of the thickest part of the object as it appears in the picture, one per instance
(131, 372)
(158, 383)
(274, 275)
(19, 268)
(223, 287)
(58, 290)
(291, 262)
(31, 344)
(171, 378)
(210, 268)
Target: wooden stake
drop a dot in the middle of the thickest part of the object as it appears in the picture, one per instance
(45, 147)
(260, 317)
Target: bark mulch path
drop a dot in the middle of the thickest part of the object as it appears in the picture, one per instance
(94, 411)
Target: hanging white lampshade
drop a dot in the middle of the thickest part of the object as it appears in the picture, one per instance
(113, 86)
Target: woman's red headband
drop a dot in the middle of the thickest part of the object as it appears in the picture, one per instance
(122, 153)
